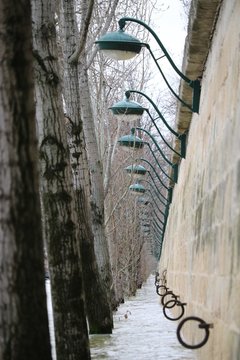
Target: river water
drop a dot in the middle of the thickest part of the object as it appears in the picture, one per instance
(145, 334)
(141, 332)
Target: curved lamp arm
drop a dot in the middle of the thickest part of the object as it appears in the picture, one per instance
(153, 180)
(174, 166)
(152, 167)
(163, 223)
(161, 212)
(155, 158)
(181, 137)
(157, 226)
(156, 144)
(195, 84)
(169, 199)
(122, 23)
(160, 221)
(157, 194)
(183, 151)
(157, 238)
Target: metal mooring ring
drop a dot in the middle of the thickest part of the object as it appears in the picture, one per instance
(202, 325)
(161, 287)
(166, 294)
(170, 304)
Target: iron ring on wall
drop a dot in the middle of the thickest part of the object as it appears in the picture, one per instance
(202, 325)
(170, 304)
(161, 287)
(164, 301)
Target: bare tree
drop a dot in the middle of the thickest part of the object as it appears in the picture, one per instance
(95, 167)
(97, 304)
(59, 207)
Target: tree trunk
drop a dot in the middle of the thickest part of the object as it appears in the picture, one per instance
(24, 330)
(96, 174)
(98, 309)
(59, 210)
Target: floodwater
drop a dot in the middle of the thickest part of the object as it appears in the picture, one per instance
(144, 334)
(50, 319)
(141, 332)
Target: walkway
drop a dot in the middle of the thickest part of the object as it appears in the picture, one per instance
(144, 335)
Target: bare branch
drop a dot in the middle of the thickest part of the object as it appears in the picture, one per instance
(86, 19)
(103, 31)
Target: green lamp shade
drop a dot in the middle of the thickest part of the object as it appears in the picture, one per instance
(138, 188)
(119, 45)
(127, 110)
(132, 141)
(136, 170)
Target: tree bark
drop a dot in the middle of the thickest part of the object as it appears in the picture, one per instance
(59, 209)
(98, 309)
(24, 330)
(96, 174)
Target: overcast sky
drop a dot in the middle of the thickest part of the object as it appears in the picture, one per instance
(170, 26)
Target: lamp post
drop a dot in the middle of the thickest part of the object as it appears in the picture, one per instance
(136, 143)
(139, 171)
(129, 141)
(122, 46)
(131, 111)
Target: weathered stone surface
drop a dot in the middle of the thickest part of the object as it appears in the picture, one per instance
(201, 249)
(203, 15)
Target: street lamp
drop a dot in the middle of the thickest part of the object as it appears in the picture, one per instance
(136, 171)
(129, 141)
(127, 110)
(119, 45)
(131, 111)
(137, 188)
(139, 172)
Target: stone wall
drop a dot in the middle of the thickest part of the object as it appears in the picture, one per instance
(201, 249)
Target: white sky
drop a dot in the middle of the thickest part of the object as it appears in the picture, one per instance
(170, 26)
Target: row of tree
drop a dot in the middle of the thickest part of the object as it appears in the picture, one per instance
(62, 184)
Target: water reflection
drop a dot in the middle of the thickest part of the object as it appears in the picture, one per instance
(140, 332)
